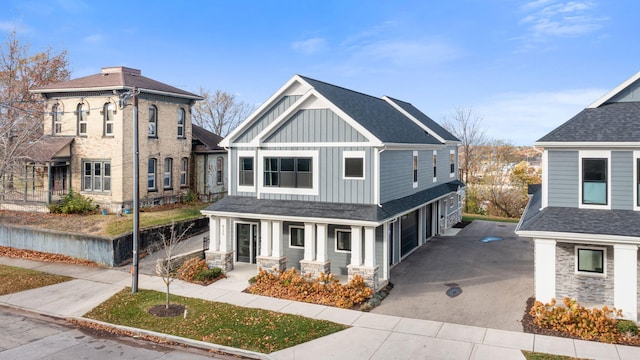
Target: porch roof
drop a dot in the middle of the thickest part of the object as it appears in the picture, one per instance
(47, 148)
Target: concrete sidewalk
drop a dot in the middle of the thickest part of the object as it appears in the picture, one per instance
(371, 336)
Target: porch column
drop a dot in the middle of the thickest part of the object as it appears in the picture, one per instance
(276, 233)
(265, 238)
(321, 242)
(545, 269)
(356, 245)
(214, 237)
(625, 280)
(220, 253)
(309, 241)
(225, 235)
(369, 246)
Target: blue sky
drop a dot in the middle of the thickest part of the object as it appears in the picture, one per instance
(525, 67)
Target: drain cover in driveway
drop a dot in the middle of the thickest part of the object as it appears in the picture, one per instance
(487, 239)
(454, 291)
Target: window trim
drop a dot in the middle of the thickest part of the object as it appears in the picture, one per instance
(56, 118)
(435, 166)
(336, 241)
(154, 134)
(105, 119)
(590, 273)
(245, 188)
(102, 162)
(353, 155)
(167, 173)
(636, 180)
(181, 127)
(220, 170)
(184, 172)
(155, 175)
(296, 246)
(315, 169)
(415, 168)
(452, 163)
(594, 154)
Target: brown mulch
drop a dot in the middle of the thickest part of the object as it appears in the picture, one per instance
(41, 256)
(163, 311)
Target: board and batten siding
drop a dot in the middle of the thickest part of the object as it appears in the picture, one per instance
(315, 125)
(266, 119)
(622, 180)
(563, 178)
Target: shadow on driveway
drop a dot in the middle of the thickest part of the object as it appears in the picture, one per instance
(496, 279)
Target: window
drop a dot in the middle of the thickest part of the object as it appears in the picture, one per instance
(288, 172)
(296, 236)
(353, 164)
(594, 181)
(590, 260)
(451, 203)
(96, 175)
(343, 240)
(184, 171)
(153, 121)
(415, 169)
(56, 118)
(219, 170)
(452, 163)
(435, 166)
(245, 173)
(81, 115)
(181, 116)
(168, 173)
(151, 174)
(108, 111)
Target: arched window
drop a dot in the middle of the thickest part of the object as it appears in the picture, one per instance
(153, 121)
(81, 114)
(219, 170)
(56, 118)
(181, 116)
(108, 111)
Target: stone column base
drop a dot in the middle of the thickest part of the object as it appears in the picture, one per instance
(368, 273)
(271, 264)
(223, 260)
(314, 268)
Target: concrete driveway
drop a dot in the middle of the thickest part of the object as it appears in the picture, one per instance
(496, 279)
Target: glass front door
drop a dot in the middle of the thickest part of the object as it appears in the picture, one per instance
(246, 242)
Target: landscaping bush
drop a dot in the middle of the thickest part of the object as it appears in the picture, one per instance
(324, 290)
(208, 275)
(74, 203)
(627, 326)
(197, 270)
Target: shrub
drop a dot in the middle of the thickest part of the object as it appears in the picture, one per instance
(208, 275)
(191, 268)
(324, 290)
(627, 326)
(74, 203)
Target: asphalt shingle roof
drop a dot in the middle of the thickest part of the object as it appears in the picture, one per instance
(208, 139)
(420, 116)
(47, 147)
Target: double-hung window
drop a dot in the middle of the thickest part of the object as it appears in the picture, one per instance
(108, 113)
(245, 171)
(168, 173)
(153, 121)
(452, 163)
(181, 116)
(594, 181)
(96, 175)
(184, 171)
(288, 172)
(219, 170)
(415, 169)
(435, 166)
(151, 174)
(56, 118)
(81, 116)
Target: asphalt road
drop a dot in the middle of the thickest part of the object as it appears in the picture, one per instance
(31, 336)
(496, 279)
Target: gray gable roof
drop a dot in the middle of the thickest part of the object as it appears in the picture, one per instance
(376, 115)
(420, 116)
(610, 122)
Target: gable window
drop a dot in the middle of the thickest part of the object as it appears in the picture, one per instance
(353, 164)
(168, 173)
(452, 163)
(184, 171)
(56, 118)
(288, 172)
(343, 240)
(590, 260)
(81, 116)
(245, 171)
(219, 170)
(151, 174)
(435, 166)
(153, 121)
(108, 113)
(181, 116)
(296, 236)
(594, 181)
(96, 175)
(415, 169)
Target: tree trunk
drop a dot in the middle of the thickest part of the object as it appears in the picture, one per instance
(167, 304)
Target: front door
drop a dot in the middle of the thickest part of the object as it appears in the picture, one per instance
(246, 242)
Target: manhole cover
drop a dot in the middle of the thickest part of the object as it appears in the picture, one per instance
(487, 239)
(454, 291)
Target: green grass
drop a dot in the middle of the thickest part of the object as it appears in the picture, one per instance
(13, 279)
(542, 356)
(471, 217)
(251, 329)
(124, 224)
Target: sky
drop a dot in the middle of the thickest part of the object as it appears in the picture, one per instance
(522, 67)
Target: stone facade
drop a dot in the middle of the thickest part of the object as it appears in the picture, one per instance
(368, 273)
(271, 264)
(586, 289)
(223, 260)
(315, 268)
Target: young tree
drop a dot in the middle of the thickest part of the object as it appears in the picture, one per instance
(165, 266)
(219, 112)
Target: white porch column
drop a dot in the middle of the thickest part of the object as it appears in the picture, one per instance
(214, 235)
(321, 242)
(276, 231)
(265, 238)
(625, 280)
(309, 241)
(369, 246)
(545, 269)
(356, 245)
(225, 235)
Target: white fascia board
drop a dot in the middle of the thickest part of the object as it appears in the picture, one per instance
(397, 146)
(302, 219)
(314, 144)
(586, 145)
(579, 237)
(418, 207)
(416, 121)
(265, 105)
(606, 97)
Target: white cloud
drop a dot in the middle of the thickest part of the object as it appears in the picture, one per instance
(523, 118)
(8, 26)
(408, 52)
(93, 39)
(310, 46)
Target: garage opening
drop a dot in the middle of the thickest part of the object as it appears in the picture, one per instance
(409, 232)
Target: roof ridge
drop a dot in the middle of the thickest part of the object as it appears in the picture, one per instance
(340, 87)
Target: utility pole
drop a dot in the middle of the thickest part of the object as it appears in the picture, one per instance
(136, 184)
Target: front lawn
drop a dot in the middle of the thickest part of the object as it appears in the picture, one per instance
(13, 279)
(219, 323)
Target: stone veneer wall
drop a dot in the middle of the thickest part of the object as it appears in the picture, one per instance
(584, 288)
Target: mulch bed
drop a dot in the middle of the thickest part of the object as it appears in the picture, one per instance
(461, 224)
(162, 311)
(529, 326)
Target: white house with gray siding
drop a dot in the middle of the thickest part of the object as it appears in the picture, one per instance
(326, 179)
(585, 220)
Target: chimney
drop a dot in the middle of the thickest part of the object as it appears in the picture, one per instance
(120, 69)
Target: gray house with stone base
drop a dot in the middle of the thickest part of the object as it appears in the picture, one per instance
(585, 220)
(326, 179)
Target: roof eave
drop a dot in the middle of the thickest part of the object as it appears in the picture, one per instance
(586, 144)
(116, 87)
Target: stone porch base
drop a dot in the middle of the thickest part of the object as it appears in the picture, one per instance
(368, 273)
(314, 268)
(223, 260)
(271, 264)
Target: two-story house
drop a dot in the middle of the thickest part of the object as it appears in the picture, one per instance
(585, 220)
(88, 142)
(326, 179)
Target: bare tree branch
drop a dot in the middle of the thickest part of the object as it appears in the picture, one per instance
(219, 112)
